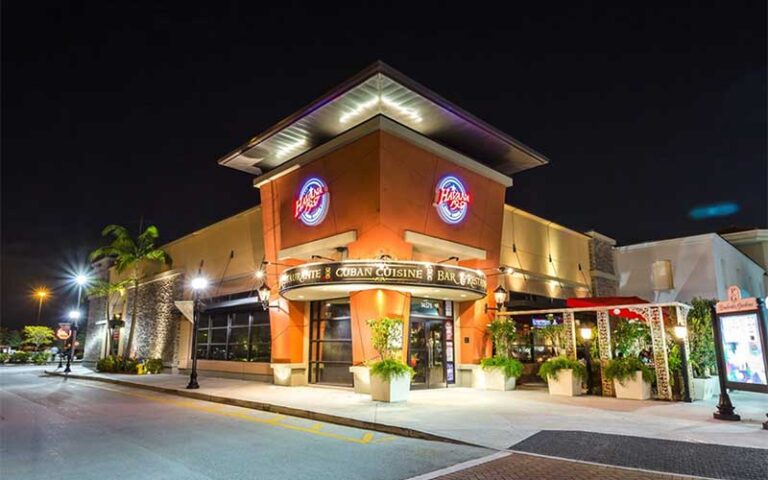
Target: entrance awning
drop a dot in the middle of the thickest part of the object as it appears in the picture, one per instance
(609, 302)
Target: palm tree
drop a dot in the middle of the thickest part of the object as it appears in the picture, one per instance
(112, 293)
(129, 253)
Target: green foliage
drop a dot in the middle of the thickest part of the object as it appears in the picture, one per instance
(14, 339)
(107, 364)
(700, 338)
(503, 333)
(154, 365)
(20, 357)
(41, 358)
(38, 335)
(117, 364)
(555, 334)
(386, 335)
(390, 368)
(551, 367)
(511, 366)
(630, 338)
(622, 369)
(4, 357)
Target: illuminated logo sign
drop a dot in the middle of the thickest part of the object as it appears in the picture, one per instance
(451, 200)
(313, 201)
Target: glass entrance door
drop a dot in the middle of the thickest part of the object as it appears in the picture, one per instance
(426, 353)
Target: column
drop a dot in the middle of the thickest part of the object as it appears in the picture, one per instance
(604, 342)
(681, 316)
(569, 327)
(660, 359)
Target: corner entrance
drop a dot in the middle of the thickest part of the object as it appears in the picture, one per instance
(430, 343)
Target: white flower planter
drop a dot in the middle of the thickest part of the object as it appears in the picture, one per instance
(705, 388)
(496, 380)
(394, 390)
(634, 388)
(362, 378)
(566, 384)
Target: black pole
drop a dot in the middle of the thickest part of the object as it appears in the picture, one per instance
(72, 339)
(192, 385)
(725, 410)
(684, 366)
(589, 367)
(61, 357)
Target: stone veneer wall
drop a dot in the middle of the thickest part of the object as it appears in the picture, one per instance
(158, 323)
(602, 265)
(94, 340)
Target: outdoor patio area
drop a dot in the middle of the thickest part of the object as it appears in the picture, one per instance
(492, 418)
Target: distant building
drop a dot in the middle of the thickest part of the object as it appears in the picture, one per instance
(680, 269)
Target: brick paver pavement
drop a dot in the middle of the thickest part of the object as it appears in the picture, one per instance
(530, 467)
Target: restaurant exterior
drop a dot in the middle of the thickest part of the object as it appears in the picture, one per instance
(379, 199)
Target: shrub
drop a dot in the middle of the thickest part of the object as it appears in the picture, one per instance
(390, 368)
(622, 369)
(511, 366)
(386, 335)
(4, 357)
(40, 358)
(106, 364)
(154, 365)
(630, 338)
(551, 367)
(503, 334)
(701, 339)
(20, 357)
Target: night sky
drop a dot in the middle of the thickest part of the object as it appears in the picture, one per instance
(113, 111)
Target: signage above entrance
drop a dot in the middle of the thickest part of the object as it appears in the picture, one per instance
(451, 200)
(318, 281)
(312, 204)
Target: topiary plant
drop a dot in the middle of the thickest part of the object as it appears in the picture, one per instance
(551, 367)
(623, 369)
(512, 367)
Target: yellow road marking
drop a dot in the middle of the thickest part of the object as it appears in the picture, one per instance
(276, 421)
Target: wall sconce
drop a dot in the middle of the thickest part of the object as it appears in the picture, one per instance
(500, 297)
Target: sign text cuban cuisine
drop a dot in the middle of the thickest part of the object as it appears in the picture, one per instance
(384, 273)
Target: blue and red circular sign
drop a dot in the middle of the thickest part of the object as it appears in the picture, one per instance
(312, 204)
(451, 200)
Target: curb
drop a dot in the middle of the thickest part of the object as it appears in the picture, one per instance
(278, 409)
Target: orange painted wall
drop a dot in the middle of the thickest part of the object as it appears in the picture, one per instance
(380, 186)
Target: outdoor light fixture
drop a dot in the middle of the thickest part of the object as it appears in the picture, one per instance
(264, 293)
(500, 297)
(506, 270)
(586, 333)
(74, 315)
(81, 279)
(198, 284)
(681, 333)
(259, 274)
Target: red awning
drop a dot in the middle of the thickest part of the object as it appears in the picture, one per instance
(608, 302)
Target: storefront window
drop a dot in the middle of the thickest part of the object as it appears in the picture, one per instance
(242, 336)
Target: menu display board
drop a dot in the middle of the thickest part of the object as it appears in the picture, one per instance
(743, 348)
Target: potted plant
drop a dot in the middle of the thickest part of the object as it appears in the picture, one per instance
(563, 375)
(702, 350)
(501, 372)
(390, 376)
(631, 378)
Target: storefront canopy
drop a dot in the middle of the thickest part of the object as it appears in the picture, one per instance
(609, 302)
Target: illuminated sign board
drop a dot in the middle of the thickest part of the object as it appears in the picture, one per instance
(379, 274)
(312, 205)
(451, 200)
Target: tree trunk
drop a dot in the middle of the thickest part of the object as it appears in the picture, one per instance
(108, 340)
(132, 332)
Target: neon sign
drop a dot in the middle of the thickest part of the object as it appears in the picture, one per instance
(451, 200)
(312, 204)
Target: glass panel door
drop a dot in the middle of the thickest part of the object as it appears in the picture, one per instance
(330, 342)
(426, 353)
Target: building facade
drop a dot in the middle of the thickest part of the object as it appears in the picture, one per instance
(378, 199)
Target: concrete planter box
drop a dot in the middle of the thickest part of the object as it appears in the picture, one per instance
(362, 378)
(289, 374)
(567, 384)
(394, 390)
(705, 388)
(634, 388)
(496, 380)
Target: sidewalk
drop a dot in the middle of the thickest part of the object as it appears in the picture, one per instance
(496, 420)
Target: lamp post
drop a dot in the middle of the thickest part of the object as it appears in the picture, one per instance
(74, 316)
(586, 335)
(681, 333)
(198, 284)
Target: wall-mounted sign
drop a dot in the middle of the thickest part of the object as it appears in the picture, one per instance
(313, 201)
(451, 199)
(320, 280)
(740, 340)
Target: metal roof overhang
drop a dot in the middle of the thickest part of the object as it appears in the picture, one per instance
(382, 90)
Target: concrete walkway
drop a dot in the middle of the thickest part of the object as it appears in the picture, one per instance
(493, 419)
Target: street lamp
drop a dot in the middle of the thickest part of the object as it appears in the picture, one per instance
(74, 316)
(681, 333)
(41, 294)
(264, 293)
(198, 284)
(586, 335)
(500, 297)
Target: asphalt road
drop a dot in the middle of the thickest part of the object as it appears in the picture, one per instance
(53, 428)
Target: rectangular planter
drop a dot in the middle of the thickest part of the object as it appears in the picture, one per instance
(705, 388)
(567, 384)
(634, 388)
(394, 390)
(362, 378)
(496, 380)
